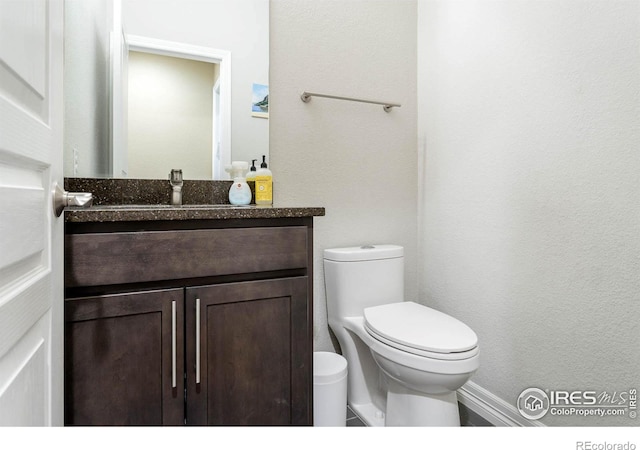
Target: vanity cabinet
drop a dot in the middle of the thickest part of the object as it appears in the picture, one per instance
(123, 359)
(246, 353)
(195, 322)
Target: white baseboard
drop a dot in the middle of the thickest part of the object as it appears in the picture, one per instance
(491, 408)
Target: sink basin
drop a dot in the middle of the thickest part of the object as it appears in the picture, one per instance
(139, 207)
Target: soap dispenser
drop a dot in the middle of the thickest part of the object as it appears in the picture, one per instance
(239, 193)
(251, 176)
(264, 184)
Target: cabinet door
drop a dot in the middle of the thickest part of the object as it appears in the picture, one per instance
(249, 350)
(124, 359)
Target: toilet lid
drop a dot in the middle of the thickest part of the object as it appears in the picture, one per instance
(420, 327)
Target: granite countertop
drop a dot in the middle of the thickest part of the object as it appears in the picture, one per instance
(134, 200)
(129, 213)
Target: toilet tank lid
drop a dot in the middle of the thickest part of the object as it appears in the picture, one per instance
(364, 253)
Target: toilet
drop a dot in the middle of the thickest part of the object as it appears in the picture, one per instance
(405, 360)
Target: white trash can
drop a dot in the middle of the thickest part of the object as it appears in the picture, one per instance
(329, 390)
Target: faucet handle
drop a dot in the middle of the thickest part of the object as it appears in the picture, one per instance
(175, 177)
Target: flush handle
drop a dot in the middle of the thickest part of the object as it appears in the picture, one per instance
(62, 199)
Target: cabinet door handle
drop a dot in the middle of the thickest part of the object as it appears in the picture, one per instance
(197, 341)
(174, 347)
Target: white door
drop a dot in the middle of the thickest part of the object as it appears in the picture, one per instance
(31, 253)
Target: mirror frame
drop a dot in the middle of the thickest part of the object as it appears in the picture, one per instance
(176, 50)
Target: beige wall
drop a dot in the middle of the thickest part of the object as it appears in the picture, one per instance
(354, 159)
(170, 117)
(529, 121)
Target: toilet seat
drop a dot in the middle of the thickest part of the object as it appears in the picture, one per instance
(420, 330)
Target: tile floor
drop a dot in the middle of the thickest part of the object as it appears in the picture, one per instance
(353, 420)
(468, 418)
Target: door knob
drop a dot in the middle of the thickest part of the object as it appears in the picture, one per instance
(62, 198)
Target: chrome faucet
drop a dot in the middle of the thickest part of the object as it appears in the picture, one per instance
(175, 178)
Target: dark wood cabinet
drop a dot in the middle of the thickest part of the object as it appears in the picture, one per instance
(124, 359)
(199, 326)
(245, 346)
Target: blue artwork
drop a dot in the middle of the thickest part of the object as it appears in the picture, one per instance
(260, 101)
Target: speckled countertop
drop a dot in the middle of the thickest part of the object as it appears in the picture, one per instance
(129, 200)
(131, 213)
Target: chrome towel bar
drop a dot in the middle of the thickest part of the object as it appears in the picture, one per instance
(306, 97)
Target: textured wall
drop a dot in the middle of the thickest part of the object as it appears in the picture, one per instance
(354, 159)
(529, 121)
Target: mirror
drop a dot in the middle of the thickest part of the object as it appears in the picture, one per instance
(174, 105)
(113, 45)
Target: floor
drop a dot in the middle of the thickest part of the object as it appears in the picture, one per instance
(468, 418)
(353, 420)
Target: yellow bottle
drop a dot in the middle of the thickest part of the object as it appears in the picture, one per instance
(264, 184)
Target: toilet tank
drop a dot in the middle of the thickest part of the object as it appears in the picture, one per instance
(360, 277)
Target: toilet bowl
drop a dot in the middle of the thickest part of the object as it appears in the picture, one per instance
(406, 360)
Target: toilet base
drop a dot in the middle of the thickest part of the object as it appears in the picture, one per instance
(408, 408)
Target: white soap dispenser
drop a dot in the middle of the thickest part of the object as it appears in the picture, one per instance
(239, 193)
